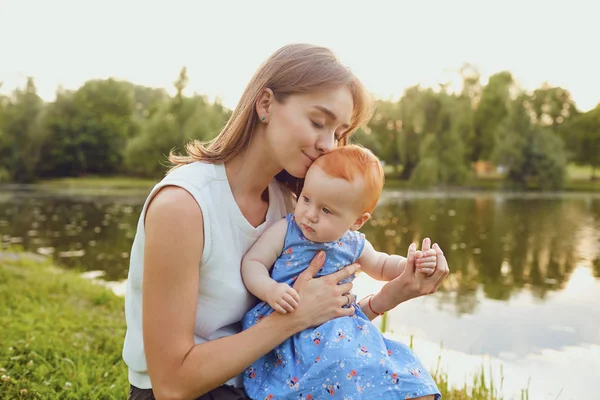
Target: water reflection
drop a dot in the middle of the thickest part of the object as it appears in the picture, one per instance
(78, 232)
(524, 287)
(497, 244)
(538, 344)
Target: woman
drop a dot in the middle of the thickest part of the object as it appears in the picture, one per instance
(184, 338)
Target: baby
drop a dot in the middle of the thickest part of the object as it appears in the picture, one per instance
(346, 356)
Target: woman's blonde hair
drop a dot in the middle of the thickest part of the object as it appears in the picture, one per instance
(293, 69)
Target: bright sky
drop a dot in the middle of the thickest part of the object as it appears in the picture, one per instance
(390, 45)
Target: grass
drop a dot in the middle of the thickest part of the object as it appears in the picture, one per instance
(62, 337)
(94, 181)
(578, 180)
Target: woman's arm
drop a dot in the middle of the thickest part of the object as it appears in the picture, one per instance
(178, 368)
(407, 285)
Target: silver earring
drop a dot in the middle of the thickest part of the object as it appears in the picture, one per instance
(263, 118)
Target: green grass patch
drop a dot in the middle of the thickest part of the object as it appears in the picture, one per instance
(582, 172)
(575, 183)
(93, 181)
(62, 336)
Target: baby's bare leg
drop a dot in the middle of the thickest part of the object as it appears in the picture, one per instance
(428, 397)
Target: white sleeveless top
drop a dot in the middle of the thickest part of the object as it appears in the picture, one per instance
(222, 297)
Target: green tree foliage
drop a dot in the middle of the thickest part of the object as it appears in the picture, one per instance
(173, 124)
(4, 171)
(87, 129)
(428, 136)
(383, 133)
(491, 110)
(529, 151)
(21, 133)
(442, 152)
(551, 106)
(582, 136)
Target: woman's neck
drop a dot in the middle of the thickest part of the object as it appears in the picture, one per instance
(250, 172)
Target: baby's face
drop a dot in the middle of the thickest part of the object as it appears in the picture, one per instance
(327, 206)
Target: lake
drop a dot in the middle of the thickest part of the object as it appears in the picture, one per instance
(522, 300)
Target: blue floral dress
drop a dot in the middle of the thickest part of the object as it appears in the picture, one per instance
(345, 358)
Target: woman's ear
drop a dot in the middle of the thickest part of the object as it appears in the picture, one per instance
(263, 104)
(360, 221)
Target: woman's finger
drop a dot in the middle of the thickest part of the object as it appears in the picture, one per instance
(315, 265)
(344, 287)
(347, 299)
(346, 311)
(410, 260)
(344, 272)
(426, 271)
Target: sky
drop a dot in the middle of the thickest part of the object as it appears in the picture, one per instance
(390, 45)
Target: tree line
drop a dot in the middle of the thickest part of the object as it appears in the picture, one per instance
(429, 136)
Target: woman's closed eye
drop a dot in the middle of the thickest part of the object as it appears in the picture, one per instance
(317, 125)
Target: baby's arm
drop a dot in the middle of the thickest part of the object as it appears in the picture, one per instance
(257, 263)
(385, 267)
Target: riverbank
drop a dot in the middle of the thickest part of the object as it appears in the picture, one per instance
(62, 336)
(577, 180)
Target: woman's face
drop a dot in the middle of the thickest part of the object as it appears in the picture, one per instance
(305, 126)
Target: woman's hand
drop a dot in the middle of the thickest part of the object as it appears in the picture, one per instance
(322, 299)
(409, 284)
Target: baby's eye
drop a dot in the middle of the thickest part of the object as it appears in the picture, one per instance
(306, 199)
(326, 211)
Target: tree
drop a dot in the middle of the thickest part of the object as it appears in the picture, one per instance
(551, 106)
(146, 100)
(180, 112)
(582, 136)
(4, 174)
(21, 139)
(382, 133)
(162, 133)
(528, 150)
(492, 109)
(442, 158)
(87, 130)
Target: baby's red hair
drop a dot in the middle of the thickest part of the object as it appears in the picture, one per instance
(352, 161)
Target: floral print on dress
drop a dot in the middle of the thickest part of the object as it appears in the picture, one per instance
(345, 358)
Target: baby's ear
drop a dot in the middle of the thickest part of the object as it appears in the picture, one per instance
(360, 221)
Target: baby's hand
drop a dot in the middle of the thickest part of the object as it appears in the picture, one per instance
(282, 298)
(426, 259)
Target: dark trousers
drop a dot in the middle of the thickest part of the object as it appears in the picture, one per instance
(224, 392)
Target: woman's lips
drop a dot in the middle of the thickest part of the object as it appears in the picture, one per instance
(309, 157)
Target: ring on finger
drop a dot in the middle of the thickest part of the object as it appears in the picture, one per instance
(348, 297)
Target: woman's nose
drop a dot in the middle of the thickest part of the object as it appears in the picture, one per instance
(326, 143)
